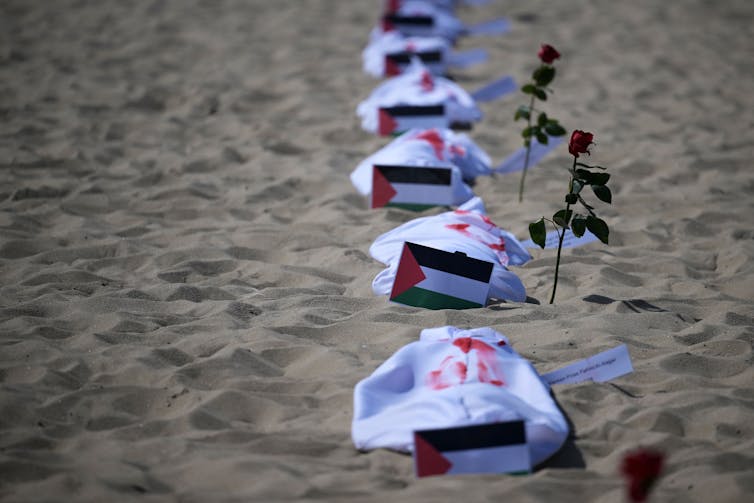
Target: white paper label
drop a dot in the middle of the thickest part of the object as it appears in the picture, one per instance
(494, 90)
(468, 58)
(601, 367)
(515, 161)
(493, 27)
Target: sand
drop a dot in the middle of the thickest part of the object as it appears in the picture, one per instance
(184, 271)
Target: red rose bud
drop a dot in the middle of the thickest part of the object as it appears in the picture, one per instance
(548, 54)
(580, 141)
(642, 469)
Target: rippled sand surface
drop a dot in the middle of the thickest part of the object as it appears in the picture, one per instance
(185, 299)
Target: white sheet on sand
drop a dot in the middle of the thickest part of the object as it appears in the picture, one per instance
(418, 87)
(429, 147)
(406, 155)
(381, 44)
(443, 22)
(467, 230)
(453, 377)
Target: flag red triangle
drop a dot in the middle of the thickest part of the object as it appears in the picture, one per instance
(391, 67)
(409, 273)
(429, 461)
(386, 123)
(382, 190)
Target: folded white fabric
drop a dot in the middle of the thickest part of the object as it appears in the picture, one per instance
(418, 87)
(428, 147)
(467, 230)
(448, 5)
(442, 21)
(408, 154)
(384, 43)
(453, 377)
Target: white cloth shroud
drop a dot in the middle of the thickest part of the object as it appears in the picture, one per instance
(453, 377)
(382, 43)
(467, 230)
(429, 147)
(418, 87)
(405, 155)
(448, 5)
(444, 23)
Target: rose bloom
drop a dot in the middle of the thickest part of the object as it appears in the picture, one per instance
(642, 468)
(580, 141)
(548, 54)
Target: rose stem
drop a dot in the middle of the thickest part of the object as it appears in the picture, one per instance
(561, 236)
(526, 158)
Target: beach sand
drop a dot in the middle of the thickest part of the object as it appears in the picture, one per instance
(185, 283)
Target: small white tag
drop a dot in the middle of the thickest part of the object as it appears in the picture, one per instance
(569, 241)
(601, 367)
(496, 89)
(468, 58)
(515, 161)
(492, 27)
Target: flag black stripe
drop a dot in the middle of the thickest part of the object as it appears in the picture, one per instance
(405, 57)
(415, 174)
(415, 110)
(478, 436)
(410, 20)
(452, 263)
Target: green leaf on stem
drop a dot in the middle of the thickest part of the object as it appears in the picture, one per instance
(542, 138)
(588, 166)
(562, 217)
(528, 132)
(540, 93)
(576, 187)
(600, 178)
(590, 178)
(598, 227)
(522, 113)
(538, 232)
(571, 198)
(544, 75)
(578, 225)
(542, 119)
(554, 129)
(528, 89)
(603, 193)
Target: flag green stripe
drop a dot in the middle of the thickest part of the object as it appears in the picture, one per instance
(412, 206)
(433, 300)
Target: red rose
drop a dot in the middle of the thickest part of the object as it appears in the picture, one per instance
(642, 468)
(580, 141)
(548, 54)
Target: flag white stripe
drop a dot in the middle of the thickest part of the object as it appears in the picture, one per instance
(503, 459)
(455, 286)
(407, 122)
(422, 193)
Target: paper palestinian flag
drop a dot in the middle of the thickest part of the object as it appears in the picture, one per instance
(467, 230)
(428, 147)
(417, 99)
(481, 448)
(436, 279)
(401, 118)
(396, 62)
(456, 378)
(411, 187)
